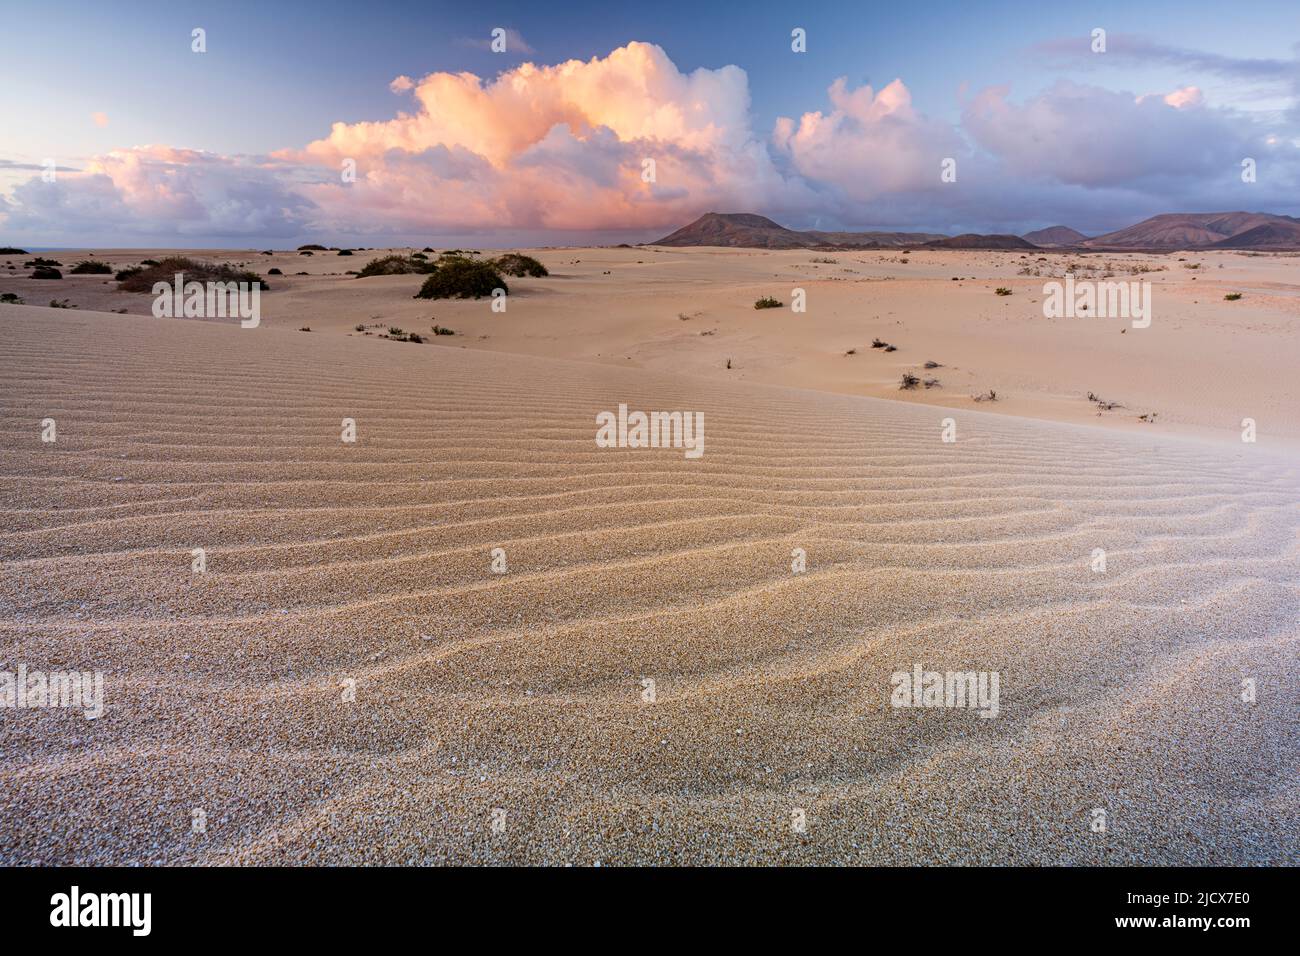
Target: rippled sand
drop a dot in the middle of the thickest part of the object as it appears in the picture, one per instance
(523, 693)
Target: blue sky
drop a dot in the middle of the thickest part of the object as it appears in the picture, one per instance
(277, 75)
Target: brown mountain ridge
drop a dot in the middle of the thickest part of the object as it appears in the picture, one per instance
(1163, 233)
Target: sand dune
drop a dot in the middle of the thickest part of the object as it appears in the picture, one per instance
(523, 692)
(1202, 366)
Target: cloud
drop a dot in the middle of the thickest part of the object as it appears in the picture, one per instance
(869, 144)
(554, 147)
(161, 190)
(1146, 51)
(628, 142)
(1087, 136)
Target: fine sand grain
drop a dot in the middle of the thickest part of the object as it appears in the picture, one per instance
(519, 697)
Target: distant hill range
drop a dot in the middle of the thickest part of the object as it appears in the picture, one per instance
(1205, 230)
(746, 230)
(974, 240)
(1055, 236)
(1164, 233)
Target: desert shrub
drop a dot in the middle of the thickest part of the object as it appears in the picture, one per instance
(931, 364)
(46, 272)
(193, 271)
(515, 264)
(415, 337)
(395, 332)
(304, 328)
(274, 272)
(345, 252)
(1001, 290)
(11, 298)
(312, 247)
(767, 302)
(989, 396)
(124, 274)
(461, 279)
(393, 266)
(443, 330)
(88, 268)
(418, 255)
(61, 304)
(307, 253)
(359, 327)
(38, 261)
(1232, 297)
(909, 381)
(878, 343)
(149, 262)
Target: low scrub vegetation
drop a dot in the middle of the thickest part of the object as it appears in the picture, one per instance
(767, 302)
(87, 267)
(193, 271)
(516, 264)
(46, 272)
(458, 278)
(394, 266)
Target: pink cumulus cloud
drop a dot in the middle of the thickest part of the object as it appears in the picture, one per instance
(630, 142)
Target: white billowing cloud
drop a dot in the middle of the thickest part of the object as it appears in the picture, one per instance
(1185, 98)
(160, 190)
(1093, 137)
(559, 147)
(630, 142)
(869, 144)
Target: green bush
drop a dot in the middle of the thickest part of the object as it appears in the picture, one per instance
(515, 264)
(88, 268)
(457, 278)
(393, 266)
(46, 272)
(1232, 297)
(193, 271)
(767, 302)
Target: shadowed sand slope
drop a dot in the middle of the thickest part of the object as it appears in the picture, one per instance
(521, 697)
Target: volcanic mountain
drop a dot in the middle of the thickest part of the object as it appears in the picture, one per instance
(750, 231)
(1055, 236)
(1202, 230)
(1163, 233)
(973, 240)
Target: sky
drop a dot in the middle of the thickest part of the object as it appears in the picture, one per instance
(397, 123)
